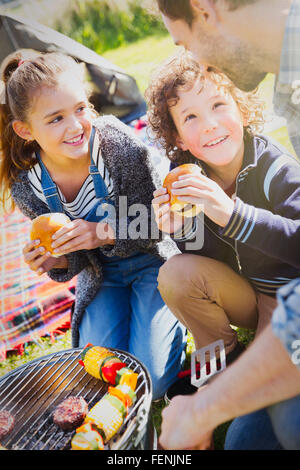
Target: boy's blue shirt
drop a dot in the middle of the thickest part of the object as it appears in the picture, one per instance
(261, 239)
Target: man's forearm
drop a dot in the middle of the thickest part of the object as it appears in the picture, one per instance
(262, 376)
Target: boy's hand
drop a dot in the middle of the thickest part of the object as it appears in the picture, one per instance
(199, 189)
(167, 220)
(82, 235)
(41, 261)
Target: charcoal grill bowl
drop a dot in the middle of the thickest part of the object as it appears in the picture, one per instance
(32, 391)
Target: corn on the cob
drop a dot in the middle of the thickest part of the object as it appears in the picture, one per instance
(103, 364)
(106, 417)
(93, 358)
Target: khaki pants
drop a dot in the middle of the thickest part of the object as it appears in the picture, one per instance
(207, 296)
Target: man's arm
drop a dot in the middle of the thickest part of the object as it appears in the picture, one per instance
(262, 376)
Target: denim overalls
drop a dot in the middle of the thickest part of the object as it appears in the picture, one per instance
(128, 312)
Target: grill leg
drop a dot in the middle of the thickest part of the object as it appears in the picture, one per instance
(149, 440)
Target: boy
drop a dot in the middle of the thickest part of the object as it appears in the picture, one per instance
(250, 195)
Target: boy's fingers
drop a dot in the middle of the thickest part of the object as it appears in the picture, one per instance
(187, 191)
(159, 192)
(195, 182)
(199, 177)
(160, 200)
(191, 191)
(163, 209)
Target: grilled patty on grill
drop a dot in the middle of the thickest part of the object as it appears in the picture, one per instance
(7, 422)
(70, 413)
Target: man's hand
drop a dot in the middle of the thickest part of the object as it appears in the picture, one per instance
(179, 428)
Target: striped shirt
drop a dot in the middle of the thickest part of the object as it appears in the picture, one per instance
(86, 197)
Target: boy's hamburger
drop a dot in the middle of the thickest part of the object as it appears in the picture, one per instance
(183, 208)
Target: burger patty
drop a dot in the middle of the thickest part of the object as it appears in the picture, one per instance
(7, 422)
(70, 413)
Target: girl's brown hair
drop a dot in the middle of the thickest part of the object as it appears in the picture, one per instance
(23, 74)
(180, 72)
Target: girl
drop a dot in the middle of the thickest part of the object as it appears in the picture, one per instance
(58, 158)
(250, 192)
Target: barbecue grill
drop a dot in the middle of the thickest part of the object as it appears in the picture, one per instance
(32, 391)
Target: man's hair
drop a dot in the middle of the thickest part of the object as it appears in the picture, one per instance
(182, 9)
(180, 72)
(176, 10)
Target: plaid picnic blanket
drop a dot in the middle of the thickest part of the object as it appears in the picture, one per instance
(30, 305)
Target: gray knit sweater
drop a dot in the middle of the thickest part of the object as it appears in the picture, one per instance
(133, 175)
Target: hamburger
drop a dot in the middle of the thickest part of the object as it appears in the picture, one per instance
(44, 226)
(70, 413)
(7, 422)
(181, 207)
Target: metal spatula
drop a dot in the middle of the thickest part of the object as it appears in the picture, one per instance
(208, 367)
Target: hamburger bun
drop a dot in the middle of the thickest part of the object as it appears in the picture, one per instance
(184, 208)
(44, 226)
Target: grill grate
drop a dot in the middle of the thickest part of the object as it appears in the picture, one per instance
(32, 392)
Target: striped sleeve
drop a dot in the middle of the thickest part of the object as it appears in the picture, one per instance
(273, 234)
(274, 229)
(242, 221)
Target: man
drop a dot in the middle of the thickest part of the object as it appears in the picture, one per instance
(247, 39)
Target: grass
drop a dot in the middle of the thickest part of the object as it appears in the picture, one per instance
(104, 25)
(139, 59)
(34, 350)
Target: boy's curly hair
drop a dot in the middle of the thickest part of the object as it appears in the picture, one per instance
(180, 72)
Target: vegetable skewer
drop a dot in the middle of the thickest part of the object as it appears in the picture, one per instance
(105, 365)
(104, 419)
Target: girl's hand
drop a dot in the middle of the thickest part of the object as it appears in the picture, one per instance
(41, 261)
(199, 189)
(167, 220)
(82, 235)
